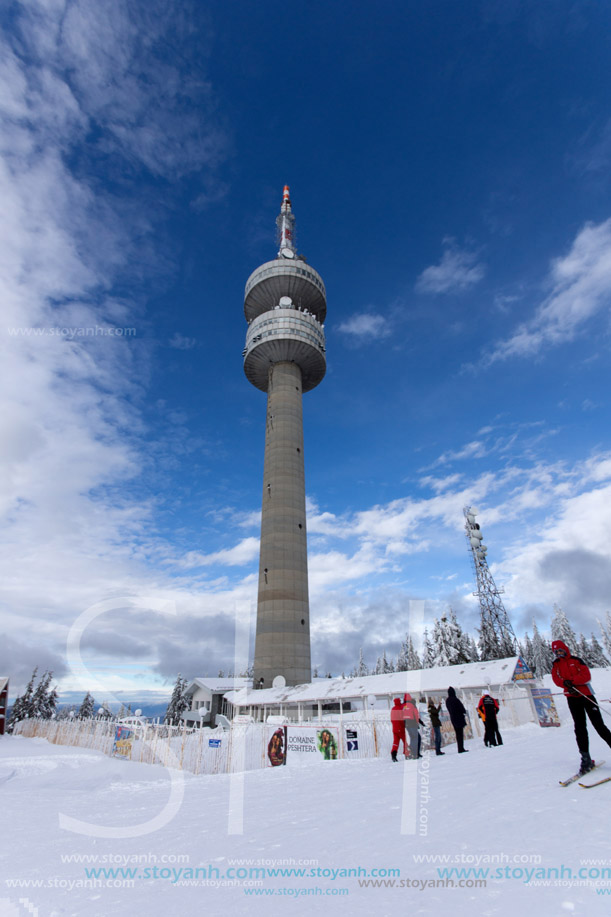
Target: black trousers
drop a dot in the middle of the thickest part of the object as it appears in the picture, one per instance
(492, 736)
(459, 737)
(580, 707)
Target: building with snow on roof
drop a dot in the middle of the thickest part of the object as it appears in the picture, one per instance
(522, 698)
(205, 697)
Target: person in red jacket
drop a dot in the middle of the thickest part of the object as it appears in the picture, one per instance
(488, 709)
(397, 721)
(572, 674)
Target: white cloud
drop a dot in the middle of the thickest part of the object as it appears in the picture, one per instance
(245, 552)
(457, 270)
(180, 342)
(72, 532)
(580, 288)
(366, 325)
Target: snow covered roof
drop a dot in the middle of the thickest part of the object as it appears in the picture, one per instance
(218, 685)
(3, 683)
(417, 681)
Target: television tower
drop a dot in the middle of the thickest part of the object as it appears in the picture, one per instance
(497, 639)
(285, 305)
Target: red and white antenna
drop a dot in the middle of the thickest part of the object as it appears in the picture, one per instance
(286, 227)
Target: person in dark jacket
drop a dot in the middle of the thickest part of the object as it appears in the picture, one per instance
(458, 716)
(434, 712)
(488, 708)
(397, 722)
(572, 674)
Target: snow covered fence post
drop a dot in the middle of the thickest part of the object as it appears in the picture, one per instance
(89, 680)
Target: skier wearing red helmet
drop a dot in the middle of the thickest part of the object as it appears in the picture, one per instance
(572, 674)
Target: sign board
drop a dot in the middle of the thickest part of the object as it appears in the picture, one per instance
(545, 707)
(214, 743)
(352, 740)
(294, 744)
(124, 740)
(521, 671)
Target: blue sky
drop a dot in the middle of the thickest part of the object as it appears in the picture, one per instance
(449, 171)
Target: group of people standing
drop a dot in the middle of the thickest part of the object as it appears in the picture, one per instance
(406, 717)
(568, 672)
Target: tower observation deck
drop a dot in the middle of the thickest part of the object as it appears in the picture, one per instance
(285, 306)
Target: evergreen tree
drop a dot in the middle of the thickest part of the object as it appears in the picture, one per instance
(542, 656)
(44, 699)
(599, 660)
(583, 650)
(413, 659)
(562, 630)
(448, 641)
(427, 651)
(67, 712)
(361, 668)
(606, 633)
(87, 709)
(408, 659)
(22, 707)
(402, 658)
(178, 703)
(489, 646)
(473, 651)
(526, 652)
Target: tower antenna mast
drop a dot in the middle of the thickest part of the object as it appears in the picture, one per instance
(497, 638)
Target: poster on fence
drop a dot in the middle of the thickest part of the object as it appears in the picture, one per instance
(124, 739)
(298, 744)
(545, 707)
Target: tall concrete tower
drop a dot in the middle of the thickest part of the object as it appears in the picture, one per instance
(285, 305)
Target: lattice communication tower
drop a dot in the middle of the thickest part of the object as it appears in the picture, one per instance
(497, 638)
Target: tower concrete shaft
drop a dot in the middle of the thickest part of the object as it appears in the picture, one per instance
(285, 304)
(282, 644)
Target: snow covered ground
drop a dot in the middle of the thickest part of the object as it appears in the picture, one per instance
(498, 809)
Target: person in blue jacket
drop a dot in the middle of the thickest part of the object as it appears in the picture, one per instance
(458, 716)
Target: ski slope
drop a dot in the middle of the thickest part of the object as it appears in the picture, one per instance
(497, 809)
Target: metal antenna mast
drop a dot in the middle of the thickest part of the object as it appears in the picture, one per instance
(497, 638)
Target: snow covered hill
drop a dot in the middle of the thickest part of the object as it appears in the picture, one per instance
(497, 814)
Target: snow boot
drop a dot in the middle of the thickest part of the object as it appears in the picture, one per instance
(586, 764)
(393, 755)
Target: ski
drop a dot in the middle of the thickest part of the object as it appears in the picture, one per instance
(575, 777)
(588, 786)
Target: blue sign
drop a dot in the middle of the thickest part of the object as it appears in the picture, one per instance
(214, 743)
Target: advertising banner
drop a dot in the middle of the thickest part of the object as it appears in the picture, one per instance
(521, 671)
(293, 744)
(545, 707)
(124, 740)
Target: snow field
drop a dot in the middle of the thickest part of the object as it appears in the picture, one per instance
(496, 809)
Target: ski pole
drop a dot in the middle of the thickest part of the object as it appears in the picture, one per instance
(594, 703)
